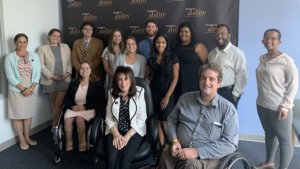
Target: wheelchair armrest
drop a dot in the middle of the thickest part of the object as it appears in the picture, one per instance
(96, 128)
(152, 130)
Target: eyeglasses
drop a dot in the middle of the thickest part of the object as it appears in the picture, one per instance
(88, 29)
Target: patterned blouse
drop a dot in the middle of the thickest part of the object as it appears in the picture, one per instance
(124, 119)
(24, 67)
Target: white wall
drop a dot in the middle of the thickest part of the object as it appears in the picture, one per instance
(34, 18)
(256, 16)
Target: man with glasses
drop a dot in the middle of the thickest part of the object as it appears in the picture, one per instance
(232, 60)
(87, 49)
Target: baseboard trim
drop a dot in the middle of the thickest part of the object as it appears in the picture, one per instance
(260, 139)
(15, 139)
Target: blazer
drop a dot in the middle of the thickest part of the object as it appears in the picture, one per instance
(48, 62)
(94, 53)
(137, 112)
(12, 72)
(94, 98)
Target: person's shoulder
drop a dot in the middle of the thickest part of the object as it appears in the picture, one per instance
(190, 95)
(143, 41)
(225, 104)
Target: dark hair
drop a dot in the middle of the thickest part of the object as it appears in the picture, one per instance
(223, 25)
(127, 71)
(110, 45)
(87, 23)
(167, 58)
(92, 76)
(211, 66)
(151, 21)
(274, 30)
(184, 24)
(20, 35)
(54, 30)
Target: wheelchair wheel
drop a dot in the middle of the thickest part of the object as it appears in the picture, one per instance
(95, 158)
(56, 158)
(233, 160)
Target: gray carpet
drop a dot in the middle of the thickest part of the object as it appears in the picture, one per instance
(41, 156)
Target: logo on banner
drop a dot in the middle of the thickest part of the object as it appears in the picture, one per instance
(194, 12)
(174, 0)
(105, 3)
(211, 27)
(73, 30)
(136, 30)
(137, 2)
(104, 30)
(118, 15)
(155, 14)
(73, 4)
(88, 17)
(171, 28)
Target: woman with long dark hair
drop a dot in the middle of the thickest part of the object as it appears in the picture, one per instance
(162, 73)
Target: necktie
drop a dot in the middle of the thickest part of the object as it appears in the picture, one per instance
(150, 46)
(85, 46)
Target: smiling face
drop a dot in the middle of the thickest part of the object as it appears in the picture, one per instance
(85, 70)
(124, 83)
(271, 40)
(185, 34)
(209, 83)
(55, 37)
(161, 44)
(117, 37)
(222, 37)
(21, 43)
(151, 29)
(131, 45)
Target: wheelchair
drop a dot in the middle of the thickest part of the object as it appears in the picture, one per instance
(146, 153)
(91, 136)
(235, 160)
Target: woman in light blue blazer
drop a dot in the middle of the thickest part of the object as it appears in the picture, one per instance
(125, 119)
(56, 71)
(23, 71)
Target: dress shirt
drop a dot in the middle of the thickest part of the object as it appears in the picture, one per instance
(277, 82)
(145, 47)
(213, 130)
(232, 60)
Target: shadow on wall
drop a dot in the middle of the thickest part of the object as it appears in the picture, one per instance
(296, 121)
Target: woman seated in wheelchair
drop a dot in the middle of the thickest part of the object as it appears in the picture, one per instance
(125, 119)
(84, 98)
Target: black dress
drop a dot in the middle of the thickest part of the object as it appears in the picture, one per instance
(162, 75)
(189, 63)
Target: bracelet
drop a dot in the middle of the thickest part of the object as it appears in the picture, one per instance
(174, 141)
(132, 133)
(23, 90)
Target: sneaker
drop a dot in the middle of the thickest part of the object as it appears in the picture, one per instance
(261, 166)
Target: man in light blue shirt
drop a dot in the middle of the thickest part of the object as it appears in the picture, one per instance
(203, 127)
(145, 45)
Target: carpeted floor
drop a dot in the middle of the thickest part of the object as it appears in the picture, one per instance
(41, 156)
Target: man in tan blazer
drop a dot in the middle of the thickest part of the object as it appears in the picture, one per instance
(88, 49)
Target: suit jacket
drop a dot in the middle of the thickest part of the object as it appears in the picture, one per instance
(94, 98)
(137, 112)
(94, 52)
(48, 62)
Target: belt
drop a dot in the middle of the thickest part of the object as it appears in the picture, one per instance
(227, 87)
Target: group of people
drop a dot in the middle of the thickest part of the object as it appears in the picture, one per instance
(195, 93)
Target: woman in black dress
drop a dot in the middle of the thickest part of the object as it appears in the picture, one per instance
(191, 55)
(163, 72)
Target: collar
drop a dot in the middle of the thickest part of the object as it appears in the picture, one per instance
(214, 101)
(226, 49)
